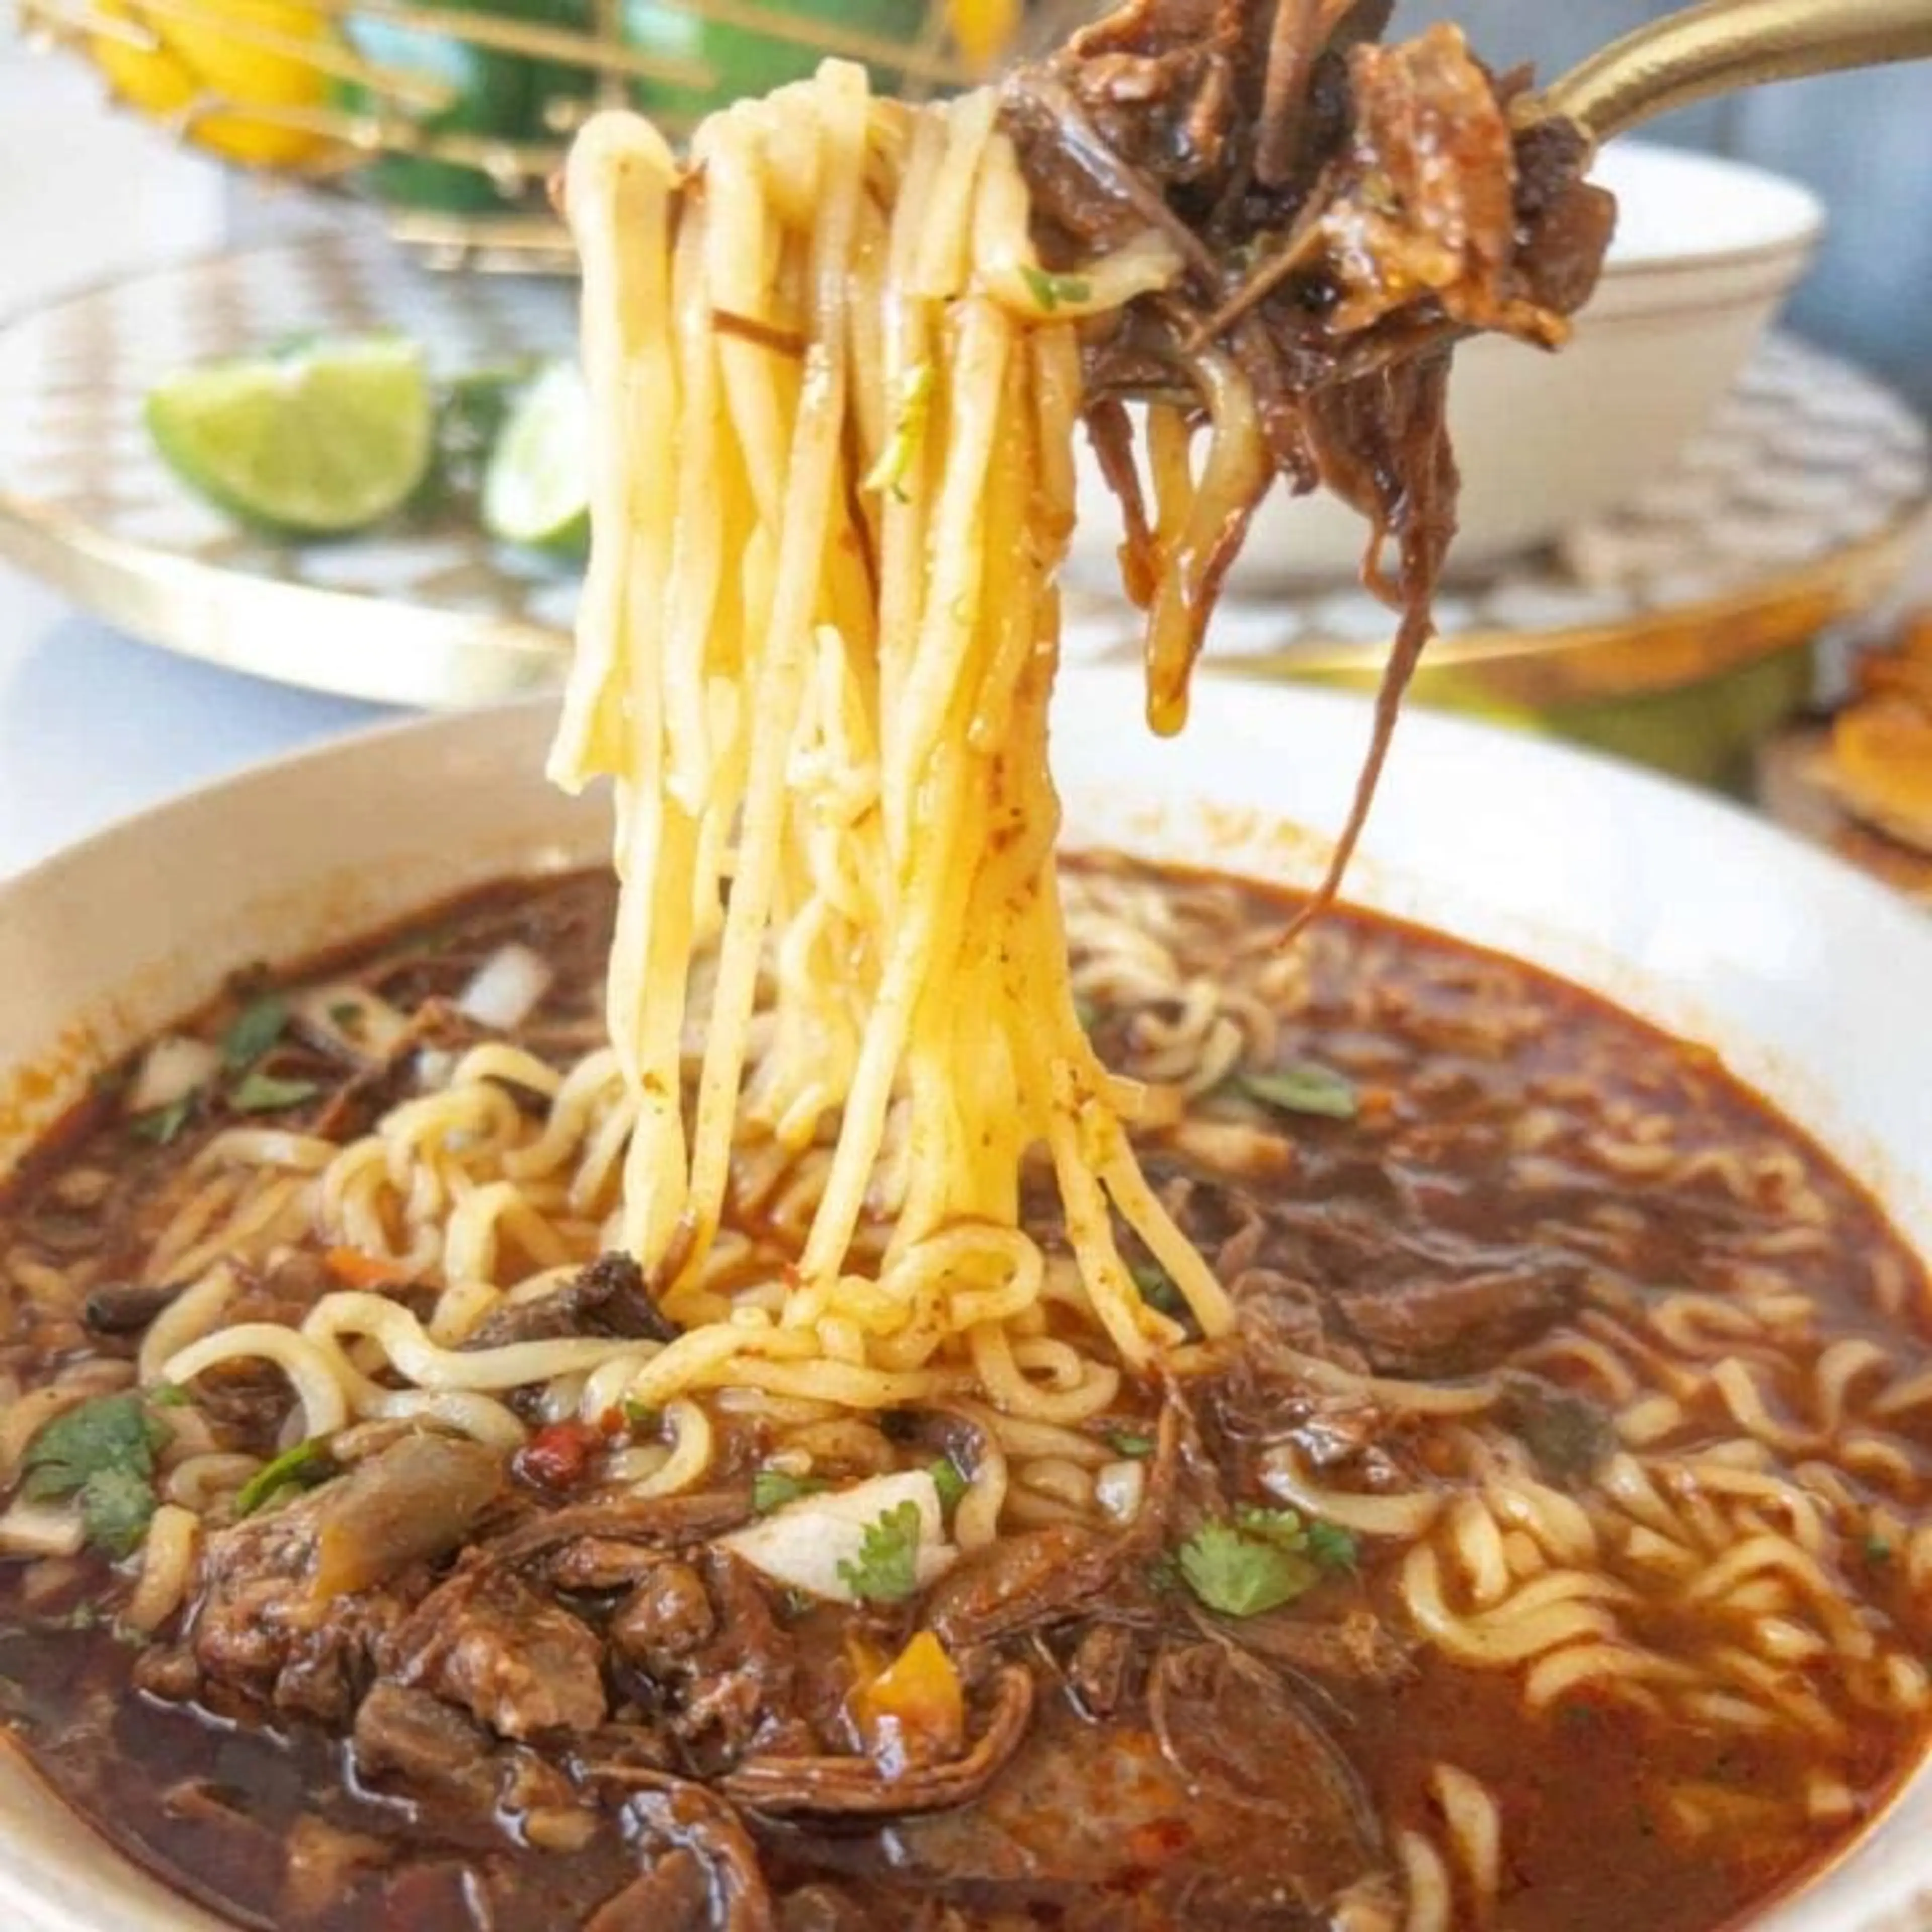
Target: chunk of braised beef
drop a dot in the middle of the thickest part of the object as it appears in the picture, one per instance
(424, 1742)
(607, 1298)
(665, 1618)
(125, 1308)
(1310, 1277)
(518, 1662)
(1281, 1318)
(1431, 1325)
(168, 1672)
(1569, 1436)
(259, 1625)
(291, 1605)
(1229, 1723)
(246, 1403)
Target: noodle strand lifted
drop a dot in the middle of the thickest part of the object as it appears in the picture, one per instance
(824, 349)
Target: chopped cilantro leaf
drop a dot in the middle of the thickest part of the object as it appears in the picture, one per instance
(773, 1489)
(110, 1431)
(285, 1476)
(1130, 1442)
(639, 1414)
(948, 1480)
(1273, 1525)
(263, 1093)
(116, 1506)
(1051, 291)
(159, 1125)
(1332, 1546)
(254, 1029)
(1264, 1559)
(887, 1571)
(1240, 1575)
(101, 1454)
(1877, 1550)
(1303, 1088)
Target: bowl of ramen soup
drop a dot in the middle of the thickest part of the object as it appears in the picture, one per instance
(952, 1342)
(1544, 1544)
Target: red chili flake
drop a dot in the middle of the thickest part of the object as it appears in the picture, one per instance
(558, 1456)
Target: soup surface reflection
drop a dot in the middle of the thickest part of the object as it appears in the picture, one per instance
(1548, 1552)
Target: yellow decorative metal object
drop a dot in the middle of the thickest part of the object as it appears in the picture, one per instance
(257, 57)
(984, 29)
(454, 114)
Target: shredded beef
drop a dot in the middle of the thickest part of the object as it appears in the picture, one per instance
(519, 1663)
(1342, 211)
(845, 1786)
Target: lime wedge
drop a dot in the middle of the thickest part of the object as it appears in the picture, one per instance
(536, 491)
(325, 439)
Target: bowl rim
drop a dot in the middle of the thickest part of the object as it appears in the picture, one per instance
(1241, 726)
(1803, 213)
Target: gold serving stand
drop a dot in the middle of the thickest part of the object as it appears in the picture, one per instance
(1677, 629)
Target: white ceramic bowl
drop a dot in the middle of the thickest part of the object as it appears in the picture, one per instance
(1810, 980)
(1705, 251)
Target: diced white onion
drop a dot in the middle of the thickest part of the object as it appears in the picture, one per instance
(176, 1065)
(348, 1021)
(39, 1529)
(1119, 1487)
(506, 988)
(803, 1545)
(434, 1065)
